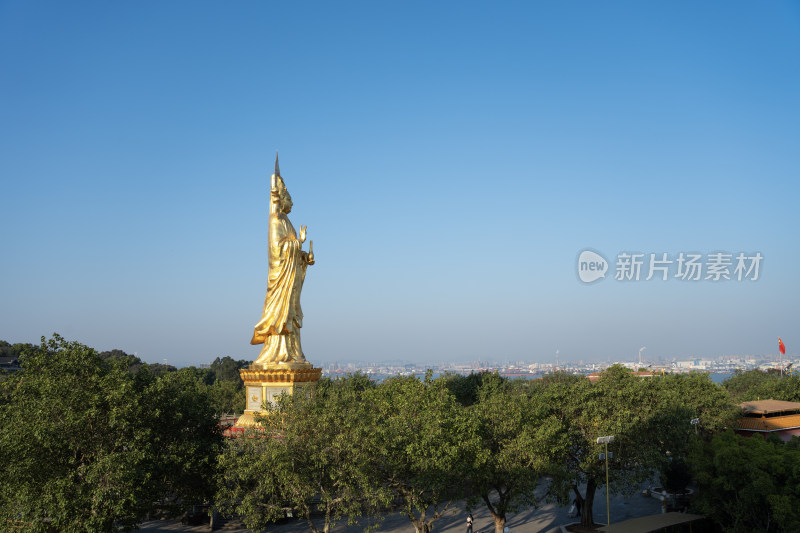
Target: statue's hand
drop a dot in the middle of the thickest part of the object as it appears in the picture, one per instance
(303, 233)
(310, 258)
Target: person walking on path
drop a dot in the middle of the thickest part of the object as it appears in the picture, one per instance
(469, 523)
(576, 503)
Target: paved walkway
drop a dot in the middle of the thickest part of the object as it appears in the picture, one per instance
(545, 519)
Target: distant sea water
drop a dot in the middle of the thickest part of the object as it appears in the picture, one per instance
(421, 375)
(719, 377)
(716, 377)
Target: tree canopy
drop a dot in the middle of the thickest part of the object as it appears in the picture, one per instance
(749, 483)
(313, 459)
(648, 418)
(760, 385)
(97, 440)
(518, 439)
(420, 443)
(88, 446)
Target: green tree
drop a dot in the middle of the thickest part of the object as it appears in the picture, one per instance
(648, 417)
(133, 363)
(466, 389)
(90, 446)
(760, 385)
(227, 369)
(682, 398)
(16, 350)
(676, 476)
(741, 382)
(116, 355)
(227, 396)
(253, 470)
(13, 352)
(183, 439)
(749, 483)
(69, 428)
(786, 388)
(224, 385)
(313, 458)
(418, 445)
(621, 405)
(518, 440)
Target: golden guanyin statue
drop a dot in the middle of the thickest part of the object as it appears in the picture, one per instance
(279, 327)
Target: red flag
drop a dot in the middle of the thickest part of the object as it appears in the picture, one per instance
(781, 346)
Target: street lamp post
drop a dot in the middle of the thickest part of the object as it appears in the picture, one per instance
(606, 440)
(694, 422)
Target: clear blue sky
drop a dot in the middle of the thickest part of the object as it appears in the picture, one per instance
(451, 159)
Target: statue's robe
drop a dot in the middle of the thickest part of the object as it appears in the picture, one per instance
(279, 328)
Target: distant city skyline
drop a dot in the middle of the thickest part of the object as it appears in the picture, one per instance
(451, 161)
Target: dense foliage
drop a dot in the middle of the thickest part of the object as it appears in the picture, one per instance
(480, 438)
(89, 446)
(761, 385)
(15, 350)
(94, 441)
(519, 438)
(749, 483)
(321, 462)
(420, 442)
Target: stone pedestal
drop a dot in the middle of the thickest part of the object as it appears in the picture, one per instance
(263, 385)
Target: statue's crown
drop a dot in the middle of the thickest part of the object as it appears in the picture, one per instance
(280, 186)
(277, 180)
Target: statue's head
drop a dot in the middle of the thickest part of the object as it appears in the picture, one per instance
(284, 198)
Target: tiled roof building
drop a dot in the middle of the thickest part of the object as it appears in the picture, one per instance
(770, 416)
